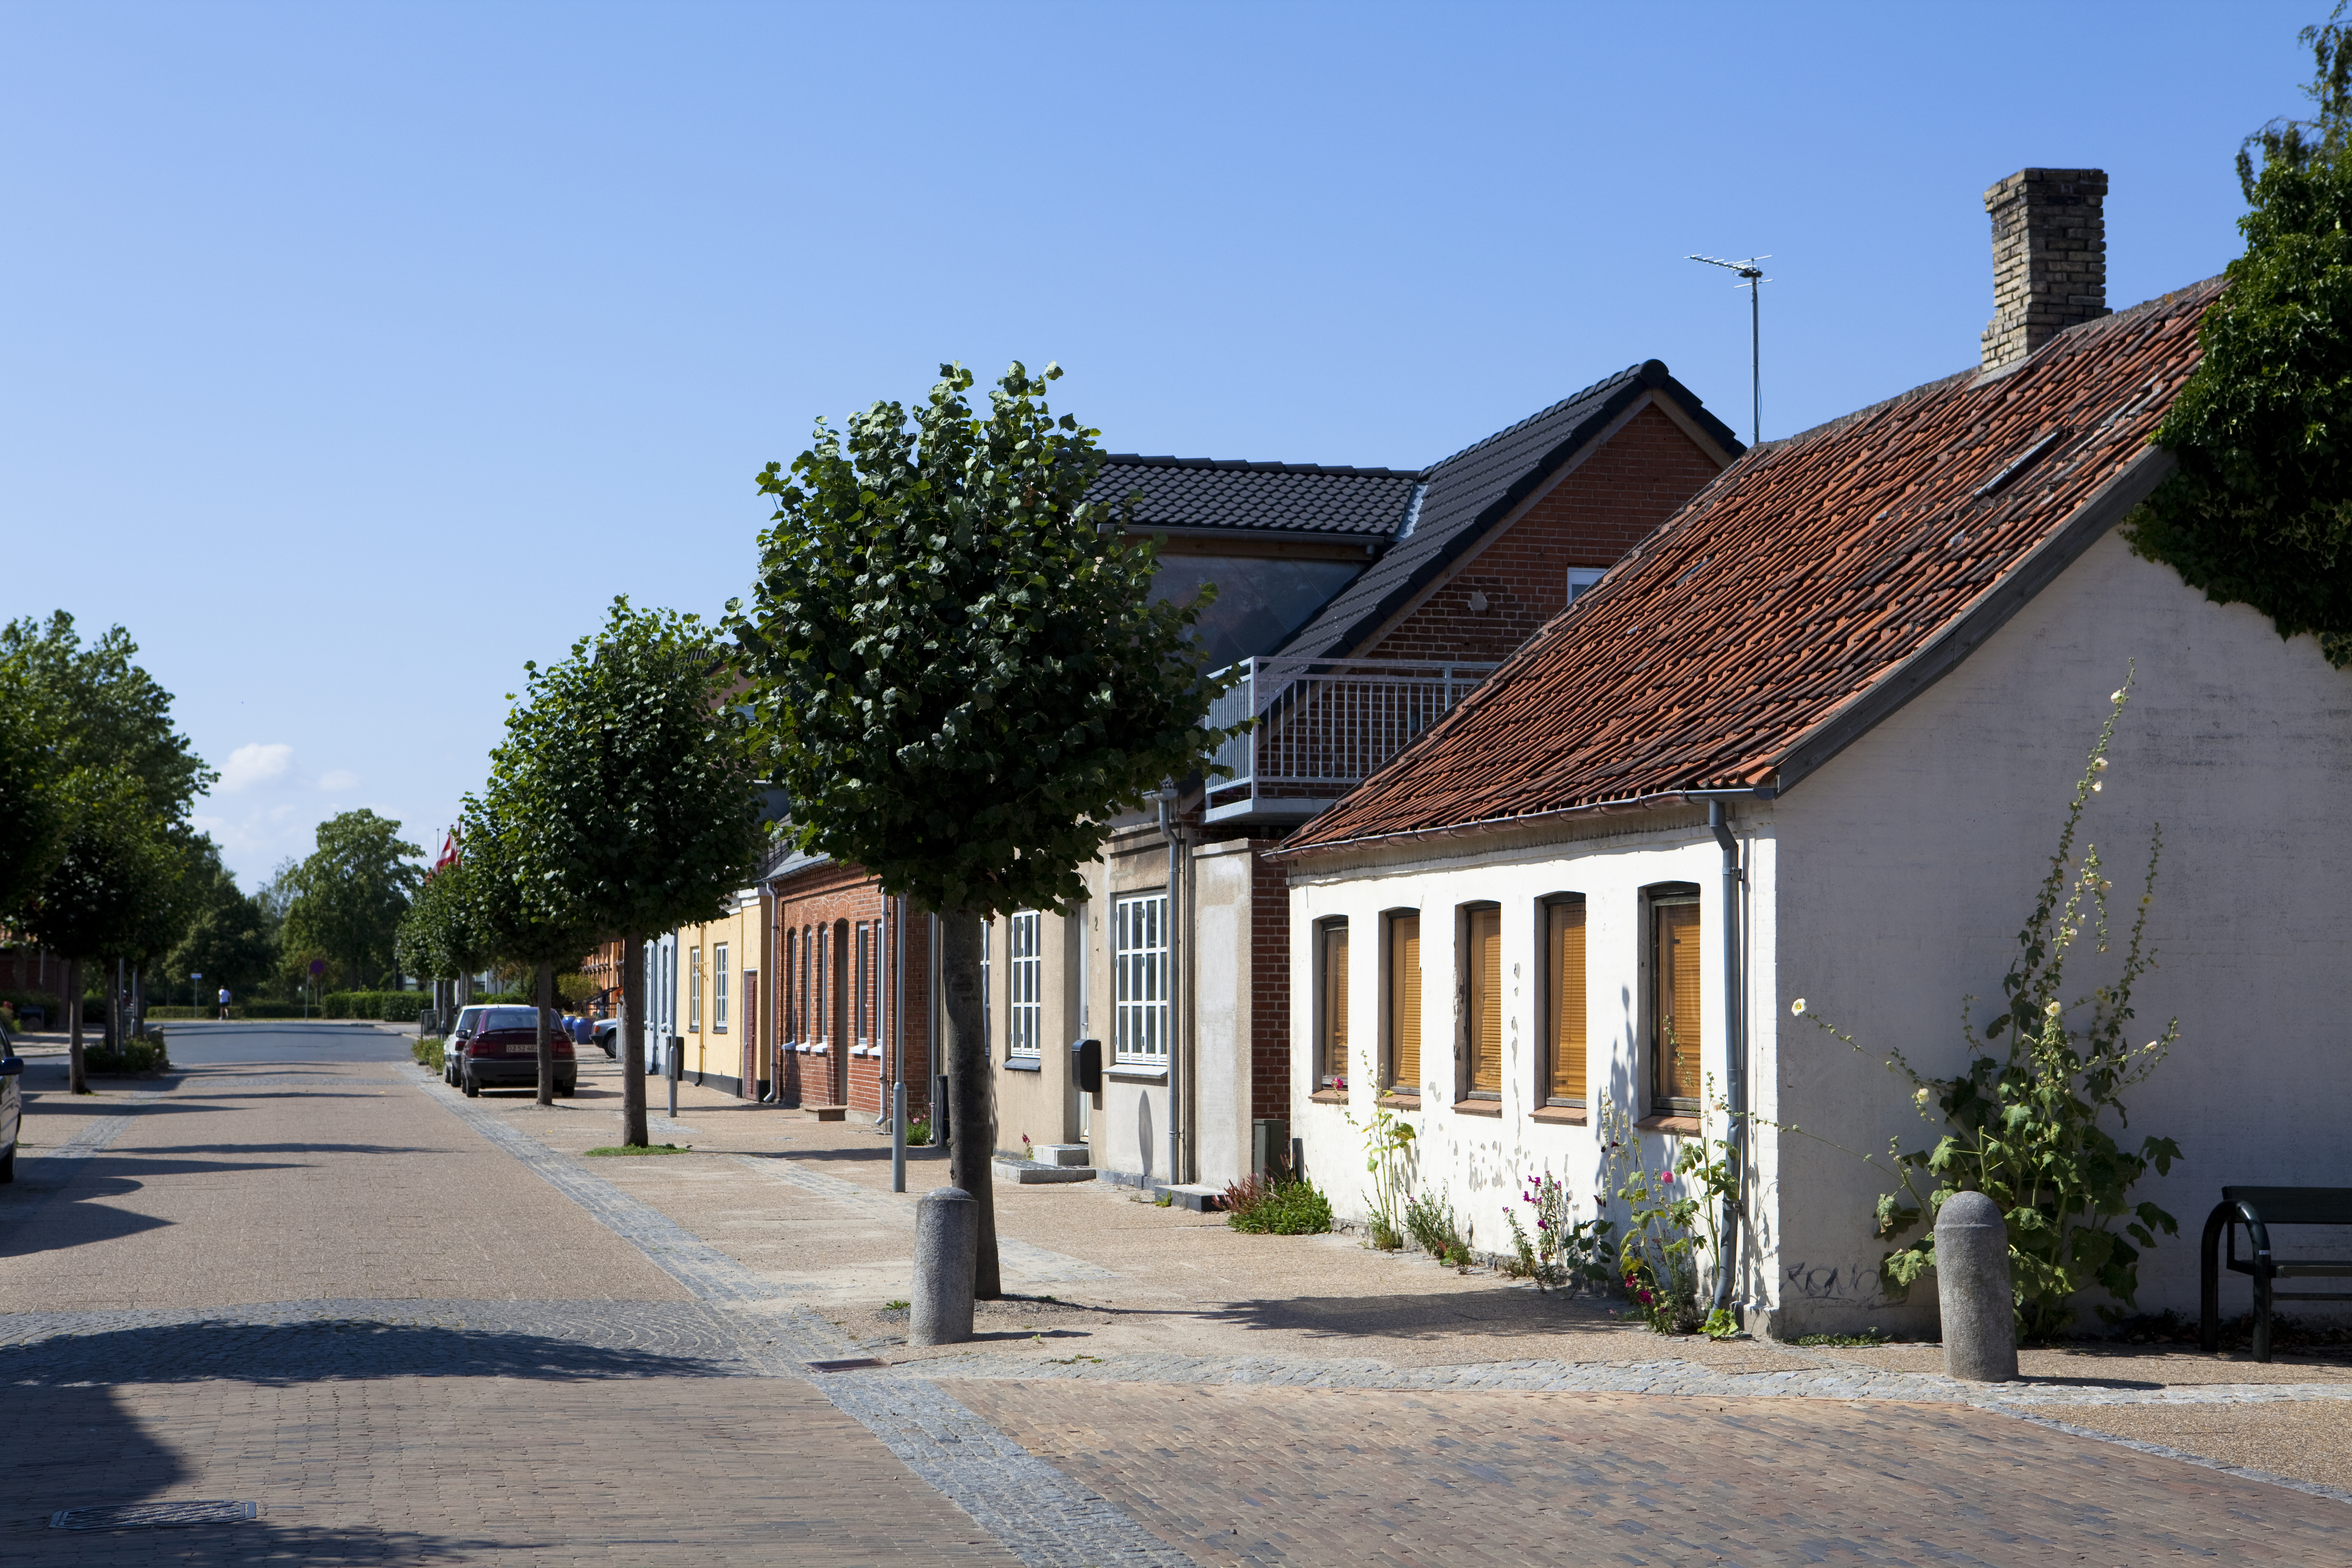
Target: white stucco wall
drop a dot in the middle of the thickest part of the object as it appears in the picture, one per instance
(1911, 862)
(1477, 1161)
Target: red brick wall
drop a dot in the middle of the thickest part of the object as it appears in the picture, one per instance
(1607, 504)
(1269, 984)
(823, 896)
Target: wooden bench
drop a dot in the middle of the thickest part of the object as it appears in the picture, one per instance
(2258, 1209)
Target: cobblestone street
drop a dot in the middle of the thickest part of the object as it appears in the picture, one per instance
(412, 1328)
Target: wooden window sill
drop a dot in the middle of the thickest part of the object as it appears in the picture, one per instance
(1675, 1124)
(1390, 1100)
(1330, 1096)
(1558, 1115)
(1478, 1108)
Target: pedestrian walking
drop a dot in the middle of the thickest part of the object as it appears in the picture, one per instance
(224, 1000)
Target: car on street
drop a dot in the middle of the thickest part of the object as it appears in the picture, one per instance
(503, 1053)
(608, 1038)
(12, 1103)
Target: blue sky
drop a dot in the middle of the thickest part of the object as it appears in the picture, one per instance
(355, 354)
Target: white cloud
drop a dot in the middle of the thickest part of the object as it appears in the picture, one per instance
(254, 765)
(341, 778)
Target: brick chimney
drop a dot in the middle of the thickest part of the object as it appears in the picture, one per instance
(2049, 258)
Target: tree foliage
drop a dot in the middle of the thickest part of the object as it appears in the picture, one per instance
(33, 817)
(959, 676)
(2259, 510)
(630, 799)
(440, 937)
(228, 940)
(349, 893)
(96, 710)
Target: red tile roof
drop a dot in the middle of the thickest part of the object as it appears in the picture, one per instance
(1809, 592)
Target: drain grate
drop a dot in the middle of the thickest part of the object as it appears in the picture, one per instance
(145, 1515)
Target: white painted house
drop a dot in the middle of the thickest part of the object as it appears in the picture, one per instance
(1877, 653)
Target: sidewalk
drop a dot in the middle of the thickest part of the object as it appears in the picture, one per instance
(1103, 1287)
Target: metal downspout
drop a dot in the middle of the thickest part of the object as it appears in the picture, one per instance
(1734, 1025)
(1168, 827)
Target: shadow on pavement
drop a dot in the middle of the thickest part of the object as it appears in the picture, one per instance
(1502, 1312)
(281, 1354)
(93, 1453)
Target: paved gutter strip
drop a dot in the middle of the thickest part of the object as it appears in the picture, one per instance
(1041, 1515)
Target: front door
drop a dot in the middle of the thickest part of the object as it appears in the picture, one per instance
(750, 1034)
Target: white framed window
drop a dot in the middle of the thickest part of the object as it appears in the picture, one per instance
(719, 988)
(694, 992)
(1140, 975)
(1581, 578)
(1026, 1012)
(861, 1023)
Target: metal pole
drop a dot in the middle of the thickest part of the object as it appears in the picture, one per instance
(898, 1137)
(1756, 358)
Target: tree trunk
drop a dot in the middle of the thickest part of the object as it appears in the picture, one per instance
(971, 1116)
(114, 1010)
(77, 1079)
(546, 1045)
(632, 1041)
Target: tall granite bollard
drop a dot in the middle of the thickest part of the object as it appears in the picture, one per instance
(947, 1254)
(1972, 1289)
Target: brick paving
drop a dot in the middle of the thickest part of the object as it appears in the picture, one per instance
(1257, 1475)
(419, 1328)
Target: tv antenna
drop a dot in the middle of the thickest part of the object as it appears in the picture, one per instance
(1752, 279)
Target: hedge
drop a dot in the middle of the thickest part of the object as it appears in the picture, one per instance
(392, 1006)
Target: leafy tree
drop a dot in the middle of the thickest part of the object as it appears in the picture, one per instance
(33, 819)
(2260, 509)
(98, 710)
(632, 798)
(441, 937)
(517, 919)
(97, 900)
(228, 940)
(351, 893)
(960, 678)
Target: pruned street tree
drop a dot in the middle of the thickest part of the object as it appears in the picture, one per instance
(98, 899)
(518, 905)
(441, 937)
(631, 798)
(959, 676)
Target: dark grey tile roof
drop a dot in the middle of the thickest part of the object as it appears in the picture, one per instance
(1255, 497)
(1471, 491)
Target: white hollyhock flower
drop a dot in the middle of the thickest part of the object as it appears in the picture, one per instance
(1797, 1006)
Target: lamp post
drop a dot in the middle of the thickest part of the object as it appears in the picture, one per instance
(196, 994)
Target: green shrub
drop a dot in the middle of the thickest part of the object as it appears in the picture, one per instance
(402, 1007)
(141, 1054)
(12, 1004)
(427, 1052)
(1429, 1220)
(919, 1131)
(1277, 1206)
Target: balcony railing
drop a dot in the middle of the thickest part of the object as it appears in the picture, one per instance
(1324, 726)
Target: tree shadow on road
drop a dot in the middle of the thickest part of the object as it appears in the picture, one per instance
(1502, 1312)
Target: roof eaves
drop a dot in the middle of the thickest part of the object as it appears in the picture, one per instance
(1969, 630)
(1655, 801)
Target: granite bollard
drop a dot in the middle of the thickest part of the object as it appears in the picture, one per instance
(947, 1252)
(1972, 1289)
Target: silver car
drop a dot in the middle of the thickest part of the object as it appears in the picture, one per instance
(453, 1049)
(12, 1103)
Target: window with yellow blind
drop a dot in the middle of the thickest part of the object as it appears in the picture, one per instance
(1331, 1003)
(1675, 1081)
(1482, 957)
(1403, 986)
(1564, 1036)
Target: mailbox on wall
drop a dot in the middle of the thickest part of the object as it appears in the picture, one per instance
(1086, 1065)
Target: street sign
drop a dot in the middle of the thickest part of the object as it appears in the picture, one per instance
(317, 966)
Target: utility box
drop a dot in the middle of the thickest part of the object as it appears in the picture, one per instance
(1269, 1145)
(1086, 1065)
